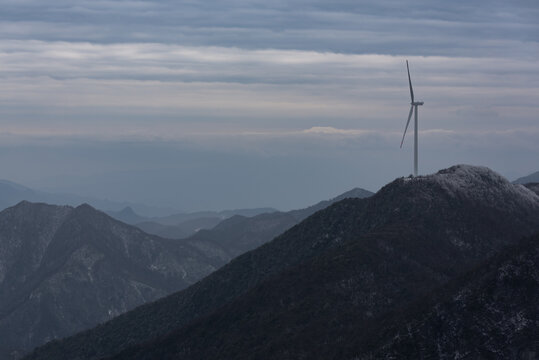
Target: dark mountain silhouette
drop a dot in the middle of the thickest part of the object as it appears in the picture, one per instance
(532, 178)
(319, 289)
(65, 269)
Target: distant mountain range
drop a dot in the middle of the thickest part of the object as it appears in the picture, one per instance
(167, 223)
(181, 230)
(12, 193)
(250, 227)
(129, 216)
(182, 225)
(429, 267)
(240, 234)
(126, 215)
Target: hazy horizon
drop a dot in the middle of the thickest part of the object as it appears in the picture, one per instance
(210, 106)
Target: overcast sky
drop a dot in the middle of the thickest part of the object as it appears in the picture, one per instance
(227, 104)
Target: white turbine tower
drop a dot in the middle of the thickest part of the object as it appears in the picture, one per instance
(413, 108)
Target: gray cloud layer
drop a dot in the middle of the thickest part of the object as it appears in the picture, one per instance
(457, 28)
(268, 79)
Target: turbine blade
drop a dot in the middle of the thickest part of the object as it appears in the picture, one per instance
(410, 82)
(407, 123)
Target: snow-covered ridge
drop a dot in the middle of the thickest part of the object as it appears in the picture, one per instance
(481, 183)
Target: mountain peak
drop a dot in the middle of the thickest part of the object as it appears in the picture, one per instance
(464, 171)
(475, 183)
(127, 215)
(461, 178)
(86, 210)
(24, 203)
(85, 206)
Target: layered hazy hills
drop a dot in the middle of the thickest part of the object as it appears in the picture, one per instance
(223, 214)
(240, 234)
(183, 225)
(253, 227)
(230, 233)
(319, 289)
(64, 269)
(129, 216)
(181, 230)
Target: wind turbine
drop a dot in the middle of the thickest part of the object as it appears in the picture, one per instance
(413, 109)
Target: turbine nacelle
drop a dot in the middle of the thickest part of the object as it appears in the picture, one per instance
(417, 103)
